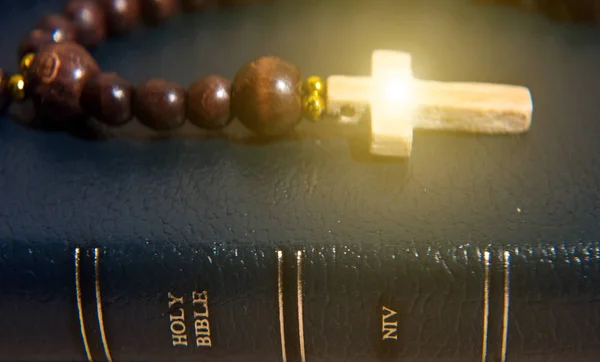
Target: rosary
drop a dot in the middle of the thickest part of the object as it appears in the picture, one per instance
(267, 95)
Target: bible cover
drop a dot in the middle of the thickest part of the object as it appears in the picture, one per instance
(478, 248)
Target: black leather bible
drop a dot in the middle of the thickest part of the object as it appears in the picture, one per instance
(304, 301)
(477, 248)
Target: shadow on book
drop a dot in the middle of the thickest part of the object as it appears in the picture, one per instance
(86, 128)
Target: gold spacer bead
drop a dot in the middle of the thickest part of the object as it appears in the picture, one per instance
(16, 86)
(26, 62)
(313, 106)
(314, 84)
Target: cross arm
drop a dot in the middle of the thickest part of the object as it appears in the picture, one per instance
(399, 103)
(452, 106)
(472, 107)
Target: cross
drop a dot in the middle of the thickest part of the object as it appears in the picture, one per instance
(400, 103)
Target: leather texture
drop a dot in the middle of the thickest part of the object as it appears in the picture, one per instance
(448, 302)
(151, 206)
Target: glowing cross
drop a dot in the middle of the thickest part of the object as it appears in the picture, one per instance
(400, 103)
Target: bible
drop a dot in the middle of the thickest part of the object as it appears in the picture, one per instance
(227, 301)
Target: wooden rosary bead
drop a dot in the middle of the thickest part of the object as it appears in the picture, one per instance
(108, 98)
(160, 104)
(34, 41)
(208, 102)
(155, 12)
(267, 96)
(88, 19)
(56, 77)
(121, 15)
(60, 28)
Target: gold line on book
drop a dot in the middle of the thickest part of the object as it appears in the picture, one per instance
(80, 304)
(99, 304)
(506, 305)
(486, 303)
(280, 302)
(300, 305)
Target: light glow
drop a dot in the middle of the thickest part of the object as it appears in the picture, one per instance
(118, 93)
(393, 104)
(121, 5)
(395, 98)
(281, 86)
(86, 15)
(78, 73)
(57, 36)
(399, 91)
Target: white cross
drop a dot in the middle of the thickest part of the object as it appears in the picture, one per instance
(400, 103)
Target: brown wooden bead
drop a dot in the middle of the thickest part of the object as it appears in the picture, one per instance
(155, 12)
(160, 104)
(34, 41)
(4, 93)
(208, 102)
(108, 98)
(267, 96)
(58, 26)
(121, 15)
(56, 77)
(88, 19)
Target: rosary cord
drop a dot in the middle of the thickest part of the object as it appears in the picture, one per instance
(65, 83)
(267, 95)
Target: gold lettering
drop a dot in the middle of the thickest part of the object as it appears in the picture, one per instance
(173, 299)
(202, 327)
(203, 342)
(390, 313)
(389, 328)
(178, 327)
(204, 314)
(177, 319)
(201, 322)
(180, 340)
(201, 297)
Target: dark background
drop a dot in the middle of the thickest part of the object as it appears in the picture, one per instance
(455, 189)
